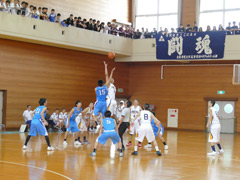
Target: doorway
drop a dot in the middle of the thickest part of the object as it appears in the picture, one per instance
(226, 114)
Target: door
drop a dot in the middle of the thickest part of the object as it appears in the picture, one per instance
(226, 114)
(1, 106)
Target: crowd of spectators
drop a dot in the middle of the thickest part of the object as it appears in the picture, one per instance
(26, 10)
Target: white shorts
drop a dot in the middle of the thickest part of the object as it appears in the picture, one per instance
(83, 126)
(112, 106)
(214, 134)
(145, 131)
(134, 128)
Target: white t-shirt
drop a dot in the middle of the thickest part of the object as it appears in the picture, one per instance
(146, 118)
(89, 114)
(54, 117)
(13, 6)
(126, 114)
(27, 115)
(215, 119)
(63, 115)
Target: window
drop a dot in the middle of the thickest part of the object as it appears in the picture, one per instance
(157, 13)
(216, 12)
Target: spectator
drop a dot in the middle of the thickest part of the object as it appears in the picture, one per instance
(172, 30)
(62, 117)
(214, 28)
(220, 28)
(22, 10)
(113, 29)
(137, 34)
(28, 115)
(55, 118)
(97, 26)
(120, 108)
(2, 5)
(161, 30)
(154, 33)
(79, 21)
(50, 122)
(229, 28)
(35, 14)
(89, 24)
(121, 31)
(75, 21)
(58, 18)
(44, 15)
(129, 33)
(107, 28)
(188, 28)
(39, 12)
(234, 28)
(28, 10)
(52, 16)
(8, 7)
(166, 31)
(143, 33)
(15, 7)
(83, 24)
(69, 20)
(200, 29)
(181, 28)
(208, 29)
(195, 27)
(102, 28)
(147, 34)
(64, 23)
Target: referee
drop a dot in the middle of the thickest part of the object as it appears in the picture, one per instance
(124, 121)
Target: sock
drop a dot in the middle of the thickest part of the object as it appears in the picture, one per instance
(213, 148)
(149, 143)
(65, 139)
(135, 148)
(84, 138)
(28, 138)
(164, 143)
(156, 147)
(48, 142)
(219, 146)
(94, 150)
(120, 150)
(78, 138)
(130, 141)
(140, 143)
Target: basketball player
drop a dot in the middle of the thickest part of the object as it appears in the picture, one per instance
(38, 124)
(135, 109)
(158, 131)
(71, 124)
(214, 134)
(145, 129)
(101, 93)
(111, 98)
(109, 128)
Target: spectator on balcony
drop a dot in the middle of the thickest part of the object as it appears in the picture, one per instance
(2, 6)
(35, 14)
(64, 23)
(208, 29)
(161, 30)
(137, 34)
(79, 21)
(154, 33)
(113, 29)
(83, 24)
(147, 34)
(121, 31)
(52, 16)
(89, 24)
(102, 28)
(69, 20)
(220, 28)
(75, 20)
(28, 10)
(8, 6)
(15, 7)
(107, 28)
(44, 15)
(195, 27)
(234, 28)
(142, 32)
(97, 26)
(58, 18)
(39, 12)
(181, 28)
(188, 28)
(229, 27)
(172, 30)
(200, 29)
(22, 10)
(166, 31)
(31, 11)
(214, 28)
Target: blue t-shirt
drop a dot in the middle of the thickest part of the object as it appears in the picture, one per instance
(52, 17)
(38, 111)
(108, 124)
(101, 93)
(75, 114)
(155, 127)
(35, 16)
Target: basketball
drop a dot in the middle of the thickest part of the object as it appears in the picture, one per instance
(111, 55)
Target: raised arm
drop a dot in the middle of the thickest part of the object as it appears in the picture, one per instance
(111, 75)
(106, 71)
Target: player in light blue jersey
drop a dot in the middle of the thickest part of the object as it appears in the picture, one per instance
(71, 123)
(110, 130)
(101, 93)
(38, 124)
(158, 131)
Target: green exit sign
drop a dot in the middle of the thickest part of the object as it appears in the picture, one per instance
(221, 92)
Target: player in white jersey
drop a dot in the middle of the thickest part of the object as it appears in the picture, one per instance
(111, 98)
(62, 117)
(214, 133)
(135, 109)
(145, 129)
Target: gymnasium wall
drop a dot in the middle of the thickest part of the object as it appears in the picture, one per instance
(29, 72)
(103, 10)
(183, 88)
(188, 12)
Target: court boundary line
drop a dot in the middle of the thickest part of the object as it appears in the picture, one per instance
(50, 171)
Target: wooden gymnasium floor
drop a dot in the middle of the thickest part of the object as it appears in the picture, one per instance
(185, 159)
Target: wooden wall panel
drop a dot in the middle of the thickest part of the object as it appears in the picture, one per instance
(29, 72)
(103, 10)
(183, 88)
(188, 12)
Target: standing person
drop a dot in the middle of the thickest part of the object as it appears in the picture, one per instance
(38, 124)
(124, 121)
(62, 117)
(52, 16)
(27, 115)
(158, 131)
(110, 130)
(55, 118)
(101, 93)
(214, 134)
(71, 124)
(145, 129)
(15, 7)
(119, 110)
(135, 109)
(111, 98)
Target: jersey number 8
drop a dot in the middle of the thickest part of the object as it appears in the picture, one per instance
(145, 116)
